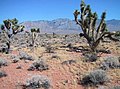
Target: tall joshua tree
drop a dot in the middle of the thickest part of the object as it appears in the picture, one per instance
(34, 35)
(87, 21)
(10, 27)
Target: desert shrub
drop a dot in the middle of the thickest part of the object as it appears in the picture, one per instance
(119, 59)
(23, 55)
(68, 62)
(38, 81)
(2, 74)
(3, 62)
(95, 77)
(90, 57)
(69, 45)
(3, 48)
(39, 65)
(117, 33)
(115, 87)
(110, 62)
(49, 49)
(104, 51)
(72, 48)
(14, 58)
(55, 56)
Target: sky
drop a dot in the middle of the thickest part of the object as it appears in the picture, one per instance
(32, 10)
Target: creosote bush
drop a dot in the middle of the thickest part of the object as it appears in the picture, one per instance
(110, 62)
(55, 56)
(90, 57)
(15, 58)
(115, 87)
(3, 62)
(68, 62)
(49, 49)
(38, 81)
(25, 56)
(117, 33)
(2, 74)
(95, 77)
(39, 65)
(3, 48)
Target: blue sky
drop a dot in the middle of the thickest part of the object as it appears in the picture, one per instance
(30, 10)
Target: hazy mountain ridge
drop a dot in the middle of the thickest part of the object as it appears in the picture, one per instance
(113, 25)
(62, 25)
(57, 26)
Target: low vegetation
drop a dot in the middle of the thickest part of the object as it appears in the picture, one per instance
(39, 65)
(38, 81)
(2, 74)
(115, 87)
(25, 56)
(95, 77)
(3, 62)
(110, 62)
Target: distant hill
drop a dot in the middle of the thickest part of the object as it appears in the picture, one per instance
(113, 25)
(64, 25)
(57, 26)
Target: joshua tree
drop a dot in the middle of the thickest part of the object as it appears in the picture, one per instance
(27, 37)
(10, 28)
(34, 35)
(87, 21)
(54, 35)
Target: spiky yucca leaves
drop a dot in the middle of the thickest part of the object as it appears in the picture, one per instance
(10, 28)
(87, 22)
(34, 35)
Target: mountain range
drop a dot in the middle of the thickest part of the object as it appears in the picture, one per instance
(65, 26)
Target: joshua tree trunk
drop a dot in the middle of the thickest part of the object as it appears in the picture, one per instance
(8, 49)
(33, 41)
